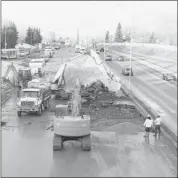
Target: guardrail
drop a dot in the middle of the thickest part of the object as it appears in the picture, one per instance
(144, 108)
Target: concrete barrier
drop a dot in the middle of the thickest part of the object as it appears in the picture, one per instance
(143, 107)
(104, 67)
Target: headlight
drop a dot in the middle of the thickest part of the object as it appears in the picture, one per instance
(18, 104)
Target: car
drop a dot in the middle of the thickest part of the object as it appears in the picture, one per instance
(83, 51)
(168, 76)
(101, 49)
(22, 54)
(127, 70)
(108, 58)
(120, 58)
(97, 51)
(45, 58)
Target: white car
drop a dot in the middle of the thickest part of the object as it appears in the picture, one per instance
(22, 54)
(108, 58)
(97, 51)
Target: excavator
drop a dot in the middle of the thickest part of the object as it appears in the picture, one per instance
(70, 123)
(20, 77)
(58, 83)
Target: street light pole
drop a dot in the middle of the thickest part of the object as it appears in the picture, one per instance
(130, 63)
(131, 52)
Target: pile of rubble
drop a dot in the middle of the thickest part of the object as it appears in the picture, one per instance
(107, 108)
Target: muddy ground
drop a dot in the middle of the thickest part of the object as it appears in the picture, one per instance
(118, 145)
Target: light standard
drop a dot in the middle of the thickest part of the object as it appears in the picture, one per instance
(131, 52)
(104, 47)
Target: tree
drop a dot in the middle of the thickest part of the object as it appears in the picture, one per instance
(118, 34)
(33, 36)
(11, 34)
(152, 38)
(107, 37)
(127, 37)
(29, 36)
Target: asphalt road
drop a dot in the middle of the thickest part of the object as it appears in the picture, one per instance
(27, 147)
(160, 94)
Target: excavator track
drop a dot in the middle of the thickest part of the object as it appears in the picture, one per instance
(86, 143)
(57, 143)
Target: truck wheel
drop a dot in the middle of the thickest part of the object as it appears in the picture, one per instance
(39, 111)
(57, 142)
(47, 104)
(19, 113)
(86, 143)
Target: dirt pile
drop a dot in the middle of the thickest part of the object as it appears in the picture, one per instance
(107, 108)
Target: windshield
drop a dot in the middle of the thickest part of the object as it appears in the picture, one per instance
(128, 69)
(32, 94)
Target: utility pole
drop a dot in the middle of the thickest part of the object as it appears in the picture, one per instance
(104, 48)
(5, 39)
(78, 37)
(87, 42)
(31, 37)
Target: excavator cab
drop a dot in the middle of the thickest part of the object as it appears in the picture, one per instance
(24, 76)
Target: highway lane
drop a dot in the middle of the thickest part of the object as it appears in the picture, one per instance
(153, 88)
(161, 64)
(27, 147)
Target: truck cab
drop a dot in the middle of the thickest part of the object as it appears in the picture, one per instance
(34, 98)
(30, 101)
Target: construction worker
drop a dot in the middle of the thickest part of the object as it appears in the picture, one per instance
(148, 125)
(157, 123)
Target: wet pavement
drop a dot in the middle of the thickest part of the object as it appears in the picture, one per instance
(27, 150)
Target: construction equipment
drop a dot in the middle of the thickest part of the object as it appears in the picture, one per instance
(37, 66)
(20, 77)
(34, 98)
(58, 83)
(70, 124)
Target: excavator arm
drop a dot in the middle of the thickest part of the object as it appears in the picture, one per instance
(76, 100)
(12, 68)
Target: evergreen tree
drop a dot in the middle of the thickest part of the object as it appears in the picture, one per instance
(107, 37)
(118, 34)
(29, 36)
(33, 36)
(128, 37)
(152, 38)
(11, 34)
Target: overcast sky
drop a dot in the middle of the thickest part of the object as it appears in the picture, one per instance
(92, 18)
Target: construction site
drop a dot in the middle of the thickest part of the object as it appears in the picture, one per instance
(76, 103)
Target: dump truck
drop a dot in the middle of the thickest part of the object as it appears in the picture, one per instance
(70, 124)
(35, 98)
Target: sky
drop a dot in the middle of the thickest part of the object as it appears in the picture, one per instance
(92, 18)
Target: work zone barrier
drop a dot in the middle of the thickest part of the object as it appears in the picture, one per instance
(104, 67)
(142, 106)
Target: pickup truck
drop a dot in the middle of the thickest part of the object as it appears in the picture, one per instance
(127, 70)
